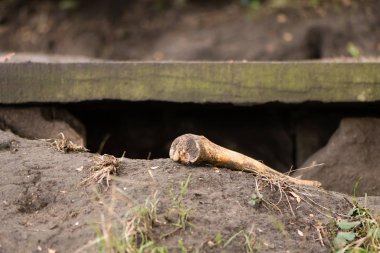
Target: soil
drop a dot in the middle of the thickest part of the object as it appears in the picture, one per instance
(195, 30)
(44, 206)
(351, 154)
(42, 123)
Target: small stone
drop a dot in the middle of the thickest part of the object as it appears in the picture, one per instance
(281, 18)
(79, 168)
(288, 37)
(210, 244)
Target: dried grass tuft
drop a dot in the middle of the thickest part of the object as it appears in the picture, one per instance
(64, 145)
(102, 167)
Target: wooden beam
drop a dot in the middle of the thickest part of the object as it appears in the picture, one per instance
(199, 82)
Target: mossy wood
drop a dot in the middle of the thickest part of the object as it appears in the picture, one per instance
(199, 82)
(198, 150)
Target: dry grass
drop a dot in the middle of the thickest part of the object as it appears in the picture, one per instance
(126, 233)
(102, 168)
(294, 195)
(290, 193)
(131, 232)
(64, 145)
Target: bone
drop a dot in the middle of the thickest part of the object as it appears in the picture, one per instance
(193, 149)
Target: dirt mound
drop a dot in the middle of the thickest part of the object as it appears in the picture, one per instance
(352, 152)
(44, 206)
(42, 123)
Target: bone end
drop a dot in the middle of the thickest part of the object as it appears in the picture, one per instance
(185, 149)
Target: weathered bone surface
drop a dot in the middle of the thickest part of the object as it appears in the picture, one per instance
(195, 149)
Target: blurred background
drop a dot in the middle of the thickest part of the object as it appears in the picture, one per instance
(281, 135)
(192, 29)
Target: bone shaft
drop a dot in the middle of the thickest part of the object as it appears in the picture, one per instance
(196, 149)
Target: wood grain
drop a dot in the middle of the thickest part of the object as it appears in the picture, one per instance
(198, 82)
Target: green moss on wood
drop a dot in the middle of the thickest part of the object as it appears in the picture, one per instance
(190, 82)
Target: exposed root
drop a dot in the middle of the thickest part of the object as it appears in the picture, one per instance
(102, 168)
(64, 145)
(290, 192)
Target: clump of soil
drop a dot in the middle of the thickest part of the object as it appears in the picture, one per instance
(44, 206)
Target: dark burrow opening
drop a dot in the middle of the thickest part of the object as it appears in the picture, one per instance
(281, 135)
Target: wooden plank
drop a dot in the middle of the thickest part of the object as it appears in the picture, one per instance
(198, 82)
